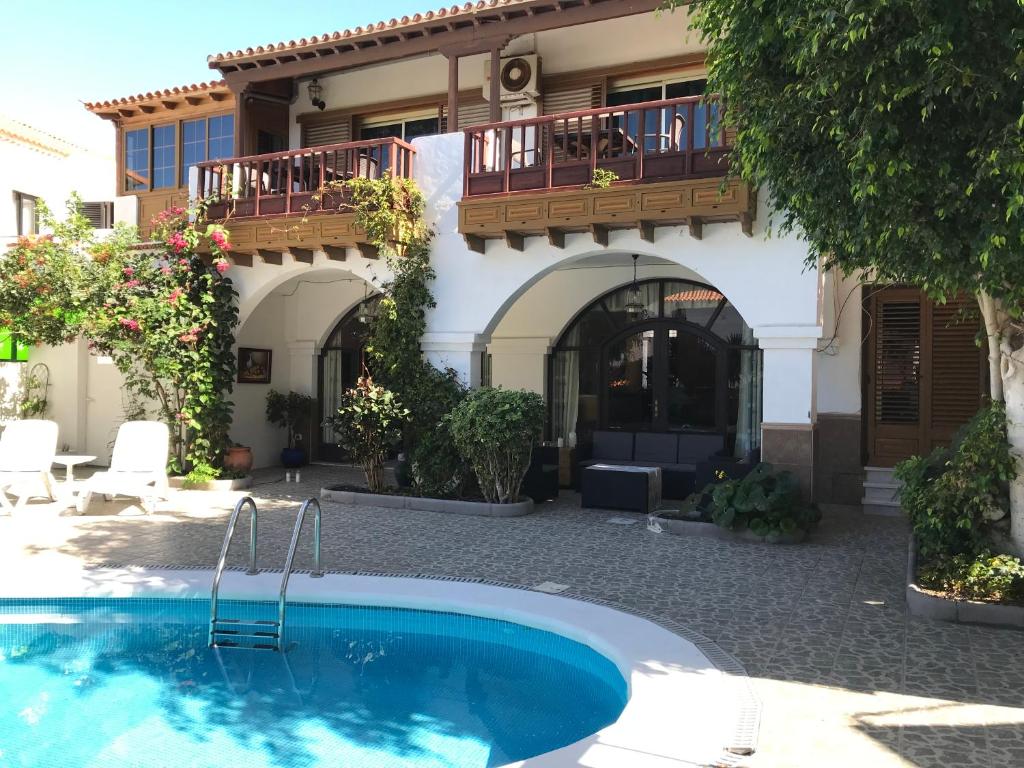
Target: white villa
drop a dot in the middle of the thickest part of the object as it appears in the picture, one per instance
(659, 303)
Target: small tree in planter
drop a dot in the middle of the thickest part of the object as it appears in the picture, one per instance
(291, 412)
(495, 430)
(368, 424)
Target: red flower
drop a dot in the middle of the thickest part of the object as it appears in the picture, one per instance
(131, 325)
(177, 242)
(175, 295)
(221, 240)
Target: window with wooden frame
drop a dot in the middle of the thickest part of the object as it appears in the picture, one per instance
(659, 132)
(26, 214)
(159, 156)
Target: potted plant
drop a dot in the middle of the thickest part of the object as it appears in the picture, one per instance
(292, 412)
(238, 458)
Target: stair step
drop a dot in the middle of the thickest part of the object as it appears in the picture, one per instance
(239, 633)
(233, 644)
(247, 622)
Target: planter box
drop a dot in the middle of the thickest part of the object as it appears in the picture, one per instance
(701, 529)
(417, 504)
(233, 484)
(929, 606)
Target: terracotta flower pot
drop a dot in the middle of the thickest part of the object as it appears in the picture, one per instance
(238, 459)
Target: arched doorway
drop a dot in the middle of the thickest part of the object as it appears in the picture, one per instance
(686, 361)
(342, 359)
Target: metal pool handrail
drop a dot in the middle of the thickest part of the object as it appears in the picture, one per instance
(219, 572)
(316, 573)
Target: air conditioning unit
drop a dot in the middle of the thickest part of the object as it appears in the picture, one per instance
(520, 78)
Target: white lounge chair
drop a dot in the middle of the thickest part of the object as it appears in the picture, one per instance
(138, 467)
(27, 449)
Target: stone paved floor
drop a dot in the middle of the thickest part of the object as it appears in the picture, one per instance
(845, 676)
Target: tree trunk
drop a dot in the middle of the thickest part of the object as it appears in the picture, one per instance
(1012, 370)
(990, 313)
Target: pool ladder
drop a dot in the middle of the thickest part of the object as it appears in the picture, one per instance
(263, 634)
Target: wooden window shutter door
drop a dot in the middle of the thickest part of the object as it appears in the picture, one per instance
(897, 390)
(957, 372)
(474, 113)
(329, 132)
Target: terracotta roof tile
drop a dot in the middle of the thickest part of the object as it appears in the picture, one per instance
(180, 90)
(696, 294)
(466, 9)
(17, 132)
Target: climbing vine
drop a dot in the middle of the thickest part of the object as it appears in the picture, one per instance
(390, 210)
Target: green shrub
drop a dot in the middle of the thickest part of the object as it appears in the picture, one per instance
(951, 495)
(981, 577)
(368, 424)
(291, 411)
(602, 179)
(495, 431)
(766, 502)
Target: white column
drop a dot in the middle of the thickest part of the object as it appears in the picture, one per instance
(519, 362)
(460, 351)
(302, 366)
(789, 355)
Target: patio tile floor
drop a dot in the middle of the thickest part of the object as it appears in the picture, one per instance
(845, 676)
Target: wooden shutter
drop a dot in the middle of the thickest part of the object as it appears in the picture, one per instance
(473, 113)
(572, 98)
(100, 215)
(329, 132)
(897, 390)
(956, 370)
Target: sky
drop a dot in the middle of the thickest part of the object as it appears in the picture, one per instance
(60, 53)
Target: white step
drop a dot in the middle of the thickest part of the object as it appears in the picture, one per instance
(881, 491)
(886, 508)
(879, 475)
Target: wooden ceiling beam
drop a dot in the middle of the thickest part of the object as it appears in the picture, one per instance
(193, 101)
(434, 36)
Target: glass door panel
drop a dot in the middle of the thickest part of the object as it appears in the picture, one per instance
(630, 371)
(691, 387)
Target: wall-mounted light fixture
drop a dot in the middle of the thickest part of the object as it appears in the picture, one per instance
(315, 92)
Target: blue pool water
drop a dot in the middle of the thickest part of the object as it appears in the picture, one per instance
(94, 683)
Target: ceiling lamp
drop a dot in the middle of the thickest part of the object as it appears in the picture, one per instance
(367, 311)
(635, 307)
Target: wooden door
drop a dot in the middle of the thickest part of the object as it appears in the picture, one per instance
(924, 373)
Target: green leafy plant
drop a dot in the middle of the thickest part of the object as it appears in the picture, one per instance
(201, 473)
(602, 178)
(438, 469)
(766, 501)
(495, 430)
(289, 411)
(888, 134)
(167, 320)
(368, 425)
(33, 402)
(983, 576)
(953, 494)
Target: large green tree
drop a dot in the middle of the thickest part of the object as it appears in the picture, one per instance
(889, 132)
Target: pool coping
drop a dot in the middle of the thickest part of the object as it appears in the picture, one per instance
(660, 742)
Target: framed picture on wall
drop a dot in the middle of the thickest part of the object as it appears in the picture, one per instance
(253, 365)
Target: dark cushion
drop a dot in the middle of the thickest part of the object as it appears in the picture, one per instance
(697, 447)
(613, 445)
(652, 446)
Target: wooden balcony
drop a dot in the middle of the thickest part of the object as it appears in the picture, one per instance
(534, 177)
(295, 201)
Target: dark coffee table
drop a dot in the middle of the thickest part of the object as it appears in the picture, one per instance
(611, 486)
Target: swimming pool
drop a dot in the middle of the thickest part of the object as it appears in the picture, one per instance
(112, 682)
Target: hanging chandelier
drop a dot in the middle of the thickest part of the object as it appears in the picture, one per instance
(635, 307)
(366, 313)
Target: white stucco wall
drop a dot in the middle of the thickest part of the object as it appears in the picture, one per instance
(839, 361)
(764, 278)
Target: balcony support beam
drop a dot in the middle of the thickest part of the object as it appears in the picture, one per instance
(515, 240)
(556, 237)
(600, 234)
(495, 84)
(270, 257)
(453, 92)
(368, 251)
(305, 255)
(747, 224)
(334, 252)
(476, 244)
(646, 230)
(240, 259)
(696, 227)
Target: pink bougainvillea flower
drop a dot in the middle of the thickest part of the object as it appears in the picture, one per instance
(177, 242)
(128, 271)
(131, 325)
(183, 262)
(220, 239)
(222, 265)
(165, 270)
(175, 295)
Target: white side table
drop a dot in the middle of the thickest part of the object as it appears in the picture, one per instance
(69, 462)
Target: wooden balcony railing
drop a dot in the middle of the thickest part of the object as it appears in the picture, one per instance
(650, 141)
(282, 183)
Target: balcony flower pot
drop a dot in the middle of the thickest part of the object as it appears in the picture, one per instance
(293, 458)
(238, 459)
